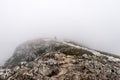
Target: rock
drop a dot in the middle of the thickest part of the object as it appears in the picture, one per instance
(50, 63)
(118, 71)
(85, 56)
(55, 66)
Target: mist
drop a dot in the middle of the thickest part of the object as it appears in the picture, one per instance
(94, 23)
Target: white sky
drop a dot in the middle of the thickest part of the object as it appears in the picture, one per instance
(95, 23)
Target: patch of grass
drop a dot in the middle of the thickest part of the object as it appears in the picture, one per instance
(60, 47)
(15, 61)
(75, 51)
(39, 52)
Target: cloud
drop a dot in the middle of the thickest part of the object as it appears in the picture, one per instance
(91, 22)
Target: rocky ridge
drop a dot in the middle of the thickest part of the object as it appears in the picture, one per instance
(59, 60)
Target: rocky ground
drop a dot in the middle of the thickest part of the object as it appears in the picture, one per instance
(65, 63)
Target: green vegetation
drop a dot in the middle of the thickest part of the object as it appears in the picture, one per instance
(39, 52)
(15, 61)
(74, 51)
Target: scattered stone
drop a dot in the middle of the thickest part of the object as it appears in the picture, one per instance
(63, 67)
(59, 63)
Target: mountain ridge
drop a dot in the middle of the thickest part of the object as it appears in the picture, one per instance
(59, 58)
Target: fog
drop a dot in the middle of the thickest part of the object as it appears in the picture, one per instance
(94, 23)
